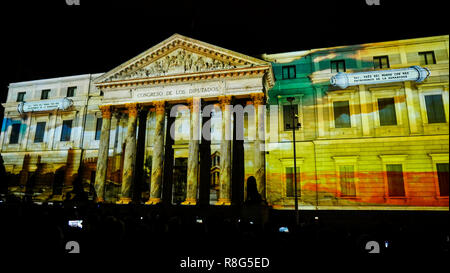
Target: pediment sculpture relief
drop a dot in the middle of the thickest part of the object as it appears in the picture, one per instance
(177, 62)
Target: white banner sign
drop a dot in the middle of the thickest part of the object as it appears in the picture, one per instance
(415, 73)
(44, 105)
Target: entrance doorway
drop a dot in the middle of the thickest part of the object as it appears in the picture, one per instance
(179, 180)
(92, 184)
(215, 178)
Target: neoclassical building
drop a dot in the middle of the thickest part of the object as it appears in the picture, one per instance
(187, 122)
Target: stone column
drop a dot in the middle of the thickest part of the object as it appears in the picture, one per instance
(259, 167)
(192, 172)
(157, 155)
(121, 142)
(225, 156)
(102, 159)
(130, 154)
(117, 141)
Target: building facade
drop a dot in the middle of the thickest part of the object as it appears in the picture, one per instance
(137, 132)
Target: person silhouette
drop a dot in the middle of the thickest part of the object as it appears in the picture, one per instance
(253, 196)
(255, 210)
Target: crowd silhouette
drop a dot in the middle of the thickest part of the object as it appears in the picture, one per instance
(166, 233)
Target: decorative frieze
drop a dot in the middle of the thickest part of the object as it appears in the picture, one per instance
(178, 62)
(258, 71)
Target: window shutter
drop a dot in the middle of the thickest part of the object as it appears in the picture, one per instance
(435, 109)
(342, 114)
(395, 180)
(386, 109)
(442, 170)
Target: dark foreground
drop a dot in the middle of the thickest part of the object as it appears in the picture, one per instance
(170, 237)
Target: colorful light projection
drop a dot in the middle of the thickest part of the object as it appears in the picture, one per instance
(387, 146)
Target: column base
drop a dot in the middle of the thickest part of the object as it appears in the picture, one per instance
(100, 200)
(223, 202)
(153, 201)
(278, 207)
(190, 201)
(124, 201)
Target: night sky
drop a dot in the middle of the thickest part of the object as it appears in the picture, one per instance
(46, 39)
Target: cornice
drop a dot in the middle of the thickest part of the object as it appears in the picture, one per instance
(188, 77)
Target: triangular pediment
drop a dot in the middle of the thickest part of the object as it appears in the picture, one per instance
(179, 55)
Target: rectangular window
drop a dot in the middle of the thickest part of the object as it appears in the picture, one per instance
(289, 72)
(342, 114)
(442, 170)
(71, 91)
(66, 130)
(347, 181)
(381, 62)
(40, 130)
(15, 132)
(287, 116)
(435, 109)
(98, 128)
(290, 187)
(338, 66)
(386, 109)
(396, 184)
(427, 58)
(44, 94)
(20, 96)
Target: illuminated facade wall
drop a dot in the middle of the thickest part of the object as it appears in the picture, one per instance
(45, 157)
(366, 147)
(357, 145)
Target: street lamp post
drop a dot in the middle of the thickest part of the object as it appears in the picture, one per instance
(294, 126)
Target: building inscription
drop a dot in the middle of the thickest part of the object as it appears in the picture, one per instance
(176, 93)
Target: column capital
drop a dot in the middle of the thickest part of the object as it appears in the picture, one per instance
(257, 98)
(143, 109)
(160, 106)
(106, 111)
(124, 201)
(194, 105)
(117, 114)
(224, 101)
(132, 109)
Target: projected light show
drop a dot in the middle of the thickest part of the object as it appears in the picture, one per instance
(208, 138)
